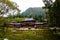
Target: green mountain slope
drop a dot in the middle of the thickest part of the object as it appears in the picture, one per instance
(35, 11)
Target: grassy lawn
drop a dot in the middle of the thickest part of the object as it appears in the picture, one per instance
(15, 19)
(12, 34)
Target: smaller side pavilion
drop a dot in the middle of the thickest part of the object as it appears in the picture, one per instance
(15, 25)
(40, 24)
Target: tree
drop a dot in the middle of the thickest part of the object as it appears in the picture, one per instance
(6, 6)
(56, 13)
(49, 5)
(41, 18)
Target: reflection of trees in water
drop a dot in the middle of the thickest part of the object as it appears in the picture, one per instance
(54, 35)
(31, 35)
(57, 37)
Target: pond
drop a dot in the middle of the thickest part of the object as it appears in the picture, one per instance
(30, 35)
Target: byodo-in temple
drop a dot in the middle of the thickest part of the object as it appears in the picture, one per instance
(28, 22)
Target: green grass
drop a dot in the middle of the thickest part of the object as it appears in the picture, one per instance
(30, 35)
(15, 19)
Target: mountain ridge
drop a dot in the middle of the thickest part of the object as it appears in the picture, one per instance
(34, 11)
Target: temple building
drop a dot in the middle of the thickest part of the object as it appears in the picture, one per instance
(28, 22)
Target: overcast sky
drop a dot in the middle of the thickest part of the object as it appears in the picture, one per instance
(24, 4)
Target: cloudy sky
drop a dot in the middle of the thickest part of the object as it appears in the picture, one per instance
(24, 4)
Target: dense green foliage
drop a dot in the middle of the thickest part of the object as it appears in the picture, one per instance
(53, 12)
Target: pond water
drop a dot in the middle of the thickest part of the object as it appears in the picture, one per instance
(30, 35)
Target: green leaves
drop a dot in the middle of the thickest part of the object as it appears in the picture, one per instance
(8, 2)
(4, 22)
(6, 5)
